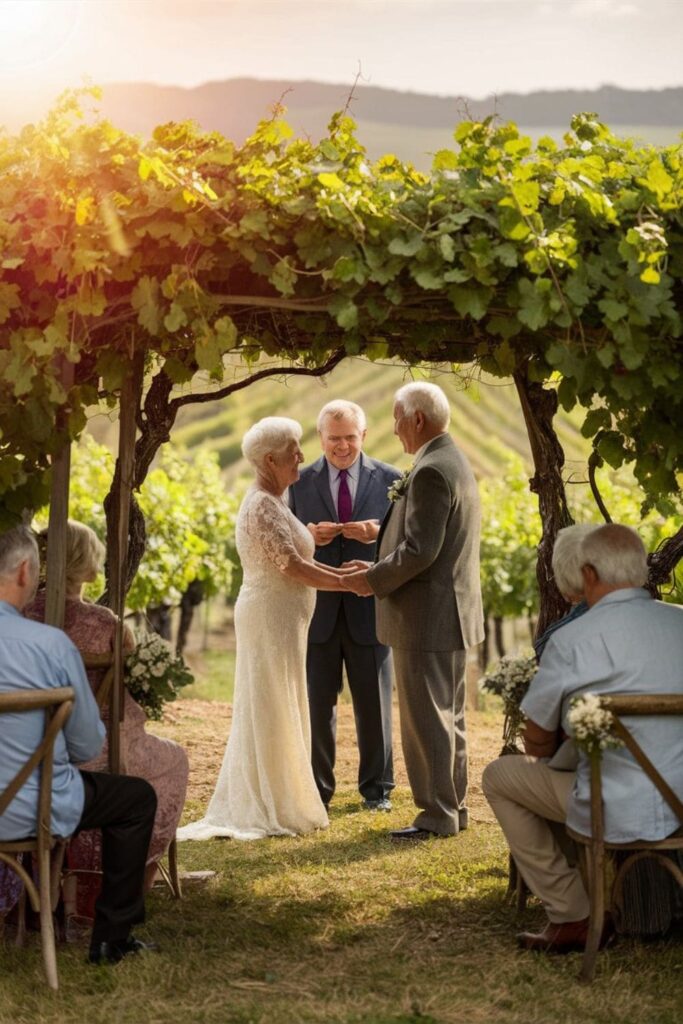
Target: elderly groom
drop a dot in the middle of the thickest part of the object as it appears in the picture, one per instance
(625, 643)
(342, 498)
(428, 599)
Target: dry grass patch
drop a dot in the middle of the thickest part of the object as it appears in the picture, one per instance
(341, 926)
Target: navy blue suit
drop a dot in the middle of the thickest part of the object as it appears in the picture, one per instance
(342, 634)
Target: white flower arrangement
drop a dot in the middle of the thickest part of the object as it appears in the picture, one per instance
(510, 681)
(591, 724)
(154, 674)
(397, 489)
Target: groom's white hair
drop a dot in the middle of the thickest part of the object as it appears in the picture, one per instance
(269, 436)
(429, 399)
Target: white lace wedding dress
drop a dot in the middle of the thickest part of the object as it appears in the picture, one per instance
(266, 785)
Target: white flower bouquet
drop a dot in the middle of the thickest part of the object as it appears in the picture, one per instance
(591, 724)
(510, 681)
(397, 489)
(154, 674)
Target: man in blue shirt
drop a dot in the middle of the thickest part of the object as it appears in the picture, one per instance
(625, 643)
(35, 657)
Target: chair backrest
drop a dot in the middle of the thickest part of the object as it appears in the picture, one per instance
(57, 704)
(94, 662)
(628, 705)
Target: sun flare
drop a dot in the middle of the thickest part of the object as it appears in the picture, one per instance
(34, 31)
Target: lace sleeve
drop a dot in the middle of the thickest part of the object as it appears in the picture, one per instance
(269, 527)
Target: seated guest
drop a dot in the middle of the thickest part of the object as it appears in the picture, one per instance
(163, 763)
(35, 656)
(566, 563)
(627, 643)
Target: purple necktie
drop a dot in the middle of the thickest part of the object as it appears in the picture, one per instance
(344, 503)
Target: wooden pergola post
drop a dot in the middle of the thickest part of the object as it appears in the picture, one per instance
(118, 552)
(55, 586)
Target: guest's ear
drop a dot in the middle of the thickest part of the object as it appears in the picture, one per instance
(590, 576)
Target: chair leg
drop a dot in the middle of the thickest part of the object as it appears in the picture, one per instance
(517, 886)
(597, 912)
(56, 867)
(20, 937)
(170, 874)
(47, 932)
(176, 887)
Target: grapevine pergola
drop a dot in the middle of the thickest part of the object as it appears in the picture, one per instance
(129, 271)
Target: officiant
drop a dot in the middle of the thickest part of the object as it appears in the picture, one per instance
(342, 499)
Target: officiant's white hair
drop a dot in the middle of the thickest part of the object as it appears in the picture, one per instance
(339, 407)
(429, 399)
(269, 436)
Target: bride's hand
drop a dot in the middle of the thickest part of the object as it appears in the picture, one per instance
(355, 565)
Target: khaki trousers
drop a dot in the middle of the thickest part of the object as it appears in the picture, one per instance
(523, 793)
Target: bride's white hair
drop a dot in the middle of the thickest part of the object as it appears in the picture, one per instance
(269, 436)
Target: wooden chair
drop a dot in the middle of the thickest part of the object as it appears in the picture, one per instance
(57, 705)
(169, 874)
(599, 852)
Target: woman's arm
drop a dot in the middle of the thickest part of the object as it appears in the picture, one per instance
(313, 574)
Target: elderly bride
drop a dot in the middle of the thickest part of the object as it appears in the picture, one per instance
(266, 786)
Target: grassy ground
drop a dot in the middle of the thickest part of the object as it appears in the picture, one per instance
(341, 926)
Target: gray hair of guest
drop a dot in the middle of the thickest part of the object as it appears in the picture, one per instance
(269, 436)
(617, 554)
(341, 407)
(16, 546)
(84, 553)
(568, 558)
(429, 399)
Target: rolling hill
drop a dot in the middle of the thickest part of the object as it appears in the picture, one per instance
(487, 420)
(411, 125)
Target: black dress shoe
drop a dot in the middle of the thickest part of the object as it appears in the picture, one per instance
(114, 951)
(412, 834)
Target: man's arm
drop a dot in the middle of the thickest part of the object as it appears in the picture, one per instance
(429, 505)
(84, 730)
(542, 703)
(539, 742)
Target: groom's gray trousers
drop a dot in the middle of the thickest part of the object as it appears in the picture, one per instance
(431, 699)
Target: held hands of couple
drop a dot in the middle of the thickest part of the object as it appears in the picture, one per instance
(357, 578)
(364, 531)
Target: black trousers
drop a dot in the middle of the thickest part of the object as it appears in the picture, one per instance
(123, 807)
(368, 669)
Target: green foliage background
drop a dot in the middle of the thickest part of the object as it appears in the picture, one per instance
(540, 260)
(190, 521)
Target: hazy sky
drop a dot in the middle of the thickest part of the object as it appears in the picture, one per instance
(454, 47)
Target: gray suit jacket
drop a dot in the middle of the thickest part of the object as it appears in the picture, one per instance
(311, 502)
(426, 578)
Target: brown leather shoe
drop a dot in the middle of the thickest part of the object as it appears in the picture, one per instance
(562, 937)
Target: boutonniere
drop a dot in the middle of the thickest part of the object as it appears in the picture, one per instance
(399, 486)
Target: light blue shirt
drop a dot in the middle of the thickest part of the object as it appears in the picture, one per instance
(36, 657)
(352, 476)
(626, 643)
